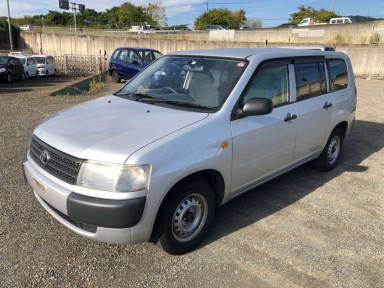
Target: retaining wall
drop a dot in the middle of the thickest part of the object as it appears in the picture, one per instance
(367, 60)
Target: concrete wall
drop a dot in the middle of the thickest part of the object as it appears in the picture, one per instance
(359, 33)
(367, 60)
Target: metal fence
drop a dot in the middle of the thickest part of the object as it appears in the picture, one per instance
(81, 65)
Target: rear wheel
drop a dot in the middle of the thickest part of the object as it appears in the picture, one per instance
(115, 77)
(54, 74)
(332, 151)
(185, 216)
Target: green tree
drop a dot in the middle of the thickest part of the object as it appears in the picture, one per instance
(156, 12)
(255, 23)
(323, 15)
(221, 16)
(304, 12)
(326, 15)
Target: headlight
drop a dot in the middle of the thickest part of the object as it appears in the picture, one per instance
(113, 177)
(2, 70)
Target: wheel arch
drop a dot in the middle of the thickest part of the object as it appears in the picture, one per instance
(212, 176)
(343, 126)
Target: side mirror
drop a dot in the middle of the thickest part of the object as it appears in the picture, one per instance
(257, 106)
(135, 62)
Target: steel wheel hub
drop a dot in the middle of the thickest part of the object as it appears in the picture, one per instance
(333, 150)
(189, 217)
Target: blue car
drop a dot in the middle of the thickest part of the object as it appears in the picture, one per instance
(126, 62)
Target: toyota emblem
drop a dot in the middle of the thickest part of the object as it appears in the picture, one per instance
(44, 157)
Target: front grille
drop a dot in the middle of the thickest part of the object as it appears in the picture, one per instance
(83, 226)
(59, 164)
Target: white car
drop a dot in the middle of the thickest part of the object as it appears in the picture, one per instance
(46, 65)
(341, 20)
(30, 66)
(190, 132)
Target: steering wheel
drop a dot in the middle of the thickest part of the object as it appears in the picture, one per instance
(169, 88)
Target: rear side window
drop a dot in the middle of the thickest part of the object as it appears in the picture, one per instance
(338, 74)
(310, 80)
(31, 61)
(272, 83)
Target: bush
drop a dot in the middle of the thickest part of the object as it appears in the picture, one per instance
(375, 38)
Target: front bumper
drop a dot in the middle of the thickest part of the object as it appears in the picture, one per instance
(99, 219)
(41, 71)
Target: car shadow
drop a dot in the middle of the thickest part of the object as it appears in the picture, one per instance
(365, 139)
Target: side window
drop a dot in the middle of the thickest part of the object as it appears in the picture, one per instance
(11, 61)
(49, 61)
(123, 55)
(52, 60)
(310, 80)
(17, 62)
(157, 54)
(272, 83)
(338, 74)
(114, 55)
(133, 57)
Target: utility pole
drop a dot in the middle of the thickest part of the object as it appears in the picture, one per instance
(74, 15)
(333, 5)
(207, 5)
(9, 27)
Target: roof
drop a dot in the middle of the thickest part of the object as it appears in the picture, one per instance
(248, 52)
(137, 48)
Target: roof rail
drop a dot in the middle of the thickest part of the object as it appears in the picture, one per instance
(321, 48)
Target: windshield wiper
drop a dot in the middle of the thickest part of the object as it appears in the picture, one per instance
(176, 102)
(142, 95)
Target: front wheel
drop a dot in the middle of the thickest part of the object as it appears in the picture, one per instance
(27, 76)
(9, 78)
(185, 216)
(332, 151)
(22, 76)
(46, 74)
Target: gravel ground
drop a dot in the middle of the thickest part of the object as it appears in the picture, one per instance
(303, 229)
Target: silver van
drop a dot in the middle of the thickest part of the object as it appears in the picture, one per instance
(190, 132)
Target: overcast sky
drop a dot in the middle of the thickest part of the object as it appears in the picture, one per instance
(271, 12)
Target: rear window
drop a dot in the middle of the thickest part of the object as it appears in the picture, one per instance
(310, 80)
(338, 74)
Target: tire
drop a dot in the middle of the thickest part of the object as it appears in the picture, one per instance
(37, 75)
(185, 216)
(46, 74)
(331, 154)
(115, 77)
(54, 74)
(27, 76)
(9, 78)
(23, 76)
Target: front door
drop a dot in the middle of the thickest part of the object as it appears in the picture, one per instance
(263, 145)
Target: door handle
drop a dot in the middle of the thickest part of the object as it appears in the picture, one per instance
(327, 105)
(290, 117)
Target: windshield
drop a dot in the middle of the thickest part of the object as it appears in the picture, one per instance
(40, 60)
(22, 60)
(198, 80)
(3, 60)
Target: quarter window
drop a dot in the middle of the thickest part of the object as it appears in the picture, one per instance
(271, 83)
(338, 74)
(310, 80)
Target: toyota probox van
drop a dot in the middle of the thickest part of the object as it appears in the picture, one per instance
(187, 134)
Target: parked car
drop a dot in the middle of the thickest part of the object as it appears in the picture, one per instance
(287, 25)
(247, 28)
(216, 27)
(181, 28)
(46, 65)
(146, 29)
(341, 20)
(155, 163)
(30, 66)
(11, 69)
(126, 62)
